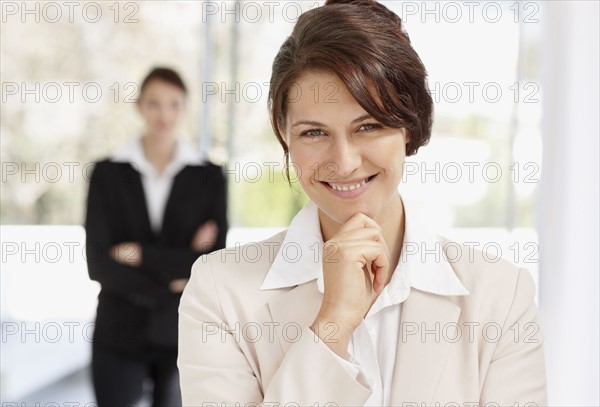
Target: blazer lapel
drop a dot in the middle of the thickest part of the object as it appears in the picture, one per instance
(135, 190)
(293, 310)
(421, 355)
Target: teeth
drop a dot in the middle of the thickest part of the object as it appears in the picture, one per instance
(348, 187)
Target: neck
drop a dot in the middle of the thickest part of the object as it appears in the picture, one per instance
(393, 224)
(158, 150)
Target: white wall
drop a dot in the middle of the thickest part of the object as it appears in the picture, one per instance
(568, 202)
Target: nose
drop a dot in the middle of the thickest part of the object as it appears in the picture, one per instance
(165, 114)
(346, 156)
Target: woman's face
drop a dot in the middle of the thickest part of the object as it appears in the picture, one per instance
(347, 162)
(162, 105)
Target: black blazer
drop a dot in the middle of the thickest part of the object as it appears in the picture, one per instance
(136, 309)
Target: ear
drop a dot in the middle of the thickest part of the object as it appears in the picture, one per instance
(406, 135)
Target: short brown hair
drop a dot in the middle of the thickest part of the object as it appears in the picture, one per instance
(364, 44)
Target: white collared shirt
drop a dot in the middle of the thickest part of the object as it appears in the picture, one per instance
(373, 345)
(157, 186)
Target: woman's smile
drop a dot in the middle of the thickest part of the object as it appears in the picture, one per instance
(349, 189)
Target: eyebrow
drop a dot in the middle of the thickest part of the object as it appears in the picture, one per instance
(319, 124)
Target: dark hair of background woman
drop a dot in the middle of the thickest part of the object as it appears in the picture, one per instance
(163, 74)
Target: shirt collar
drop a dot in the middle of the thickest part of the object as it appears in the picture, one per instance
(133, 152)
(422, 264)
(299, 257)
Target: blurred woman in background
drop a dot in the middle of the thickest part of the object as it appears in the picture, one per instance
(153, 208)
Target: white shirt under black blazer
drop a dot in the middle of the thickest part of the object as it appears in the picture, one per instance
(128, 203)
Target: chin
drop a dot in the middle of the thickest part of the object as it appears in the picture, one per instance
(341, 213)
(164, 133)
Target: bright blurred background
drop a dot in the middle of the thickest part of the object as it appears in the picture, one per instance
(512, 163)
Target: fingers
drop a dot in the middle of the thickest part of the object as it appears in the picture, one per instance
(357, 221)
(208, 224)
(178, 285)
(208, 231)
(354, 240)
(361, 238)
(371, 233)
(376, 259)
(381, 275)
(126, 253)
(114, 252)
(367, 254)
(205, 236)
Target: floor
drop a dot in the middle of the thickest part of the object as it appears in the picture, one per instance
(74, 390)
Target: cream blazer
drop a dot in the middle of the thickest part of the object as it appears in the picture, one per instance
(245, 347)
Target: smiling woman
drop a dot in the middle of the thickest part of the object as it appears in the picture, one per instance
(355, 315)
